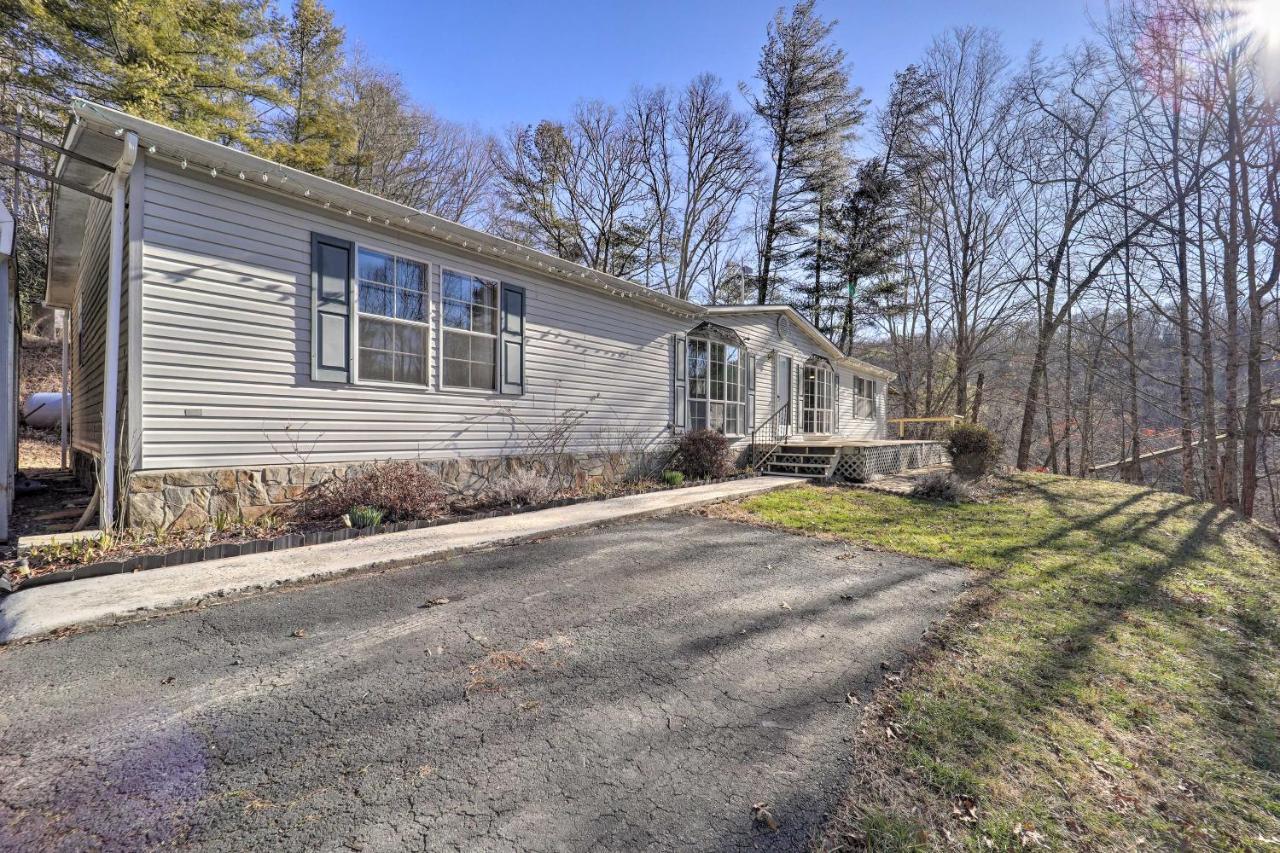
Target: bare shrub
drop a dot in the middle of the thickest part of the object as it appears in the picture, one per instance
(704, 454)
(522, 487)
(941, 487)
(404, 490)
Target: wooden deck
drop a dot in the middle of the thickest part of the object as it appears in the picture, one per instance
(839, 441)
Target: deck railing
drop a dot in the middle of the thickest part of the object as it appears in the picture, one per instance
(766, 437)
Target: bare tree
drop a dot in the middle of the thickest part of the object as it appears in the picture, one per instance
(697, 166)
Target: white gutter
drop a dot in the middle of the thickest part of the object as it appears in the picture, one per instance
(111, 369)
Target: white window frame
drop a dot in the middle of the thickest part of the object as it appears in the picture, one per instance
(442, 328)
(864, 392)
(708, 400)
(357, 314)
(824, 380)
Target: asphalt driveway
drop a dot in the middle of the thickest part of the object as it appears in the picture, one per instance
(635, 687)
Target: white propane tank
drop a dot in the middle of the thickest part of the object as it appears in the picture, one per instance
(43, 409)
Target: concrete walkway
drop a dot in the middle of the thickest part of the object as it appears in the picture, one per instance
(93, 601)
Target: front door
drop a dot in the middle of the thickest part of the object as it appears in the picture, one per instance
(782, 388)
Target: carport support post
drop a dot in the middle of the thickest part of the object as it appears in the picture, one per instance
(111, 369)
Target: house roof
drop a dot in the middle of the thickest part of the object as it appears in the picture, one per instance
(98, 129)
(808, 328)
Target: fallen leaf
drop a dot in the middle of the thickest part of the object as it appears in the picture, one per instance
(299, 633)
(851, 699)
(435, 602)
(786, 606)
(761, 814)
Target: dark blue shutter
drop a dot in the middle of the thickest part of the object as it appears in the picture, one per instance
(679, 385)
(511, 346)
(333, 264)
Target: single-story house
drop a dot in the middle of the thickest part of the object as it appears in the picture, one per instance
(240, 329)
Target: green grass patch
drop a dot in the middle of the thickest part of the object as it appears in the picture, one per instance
(1112, 682)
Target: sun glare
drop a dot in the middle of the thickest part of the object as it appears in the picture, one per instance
(1262, 21)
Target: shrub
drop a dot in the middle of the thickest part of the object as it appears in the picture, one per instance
(703, 454)
(941, 487)
(672, 478)
(522, 487)
(972, 447)
(365, 516)
(403, 490)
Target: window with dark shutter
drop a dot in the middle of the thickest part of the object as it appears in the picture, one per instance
(679, 385)
(332, 265)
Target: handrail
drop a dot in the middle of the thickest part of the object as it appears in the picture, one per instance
(769, 434)
(902, 422)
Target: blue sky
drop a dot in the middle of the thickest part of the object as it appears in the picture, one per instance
(498, 62)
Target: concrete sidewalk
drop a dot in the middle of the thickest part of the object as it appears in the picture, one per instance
(92, 601)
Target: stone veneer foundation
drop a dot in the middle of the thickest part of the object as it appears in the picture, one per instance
(190, 498)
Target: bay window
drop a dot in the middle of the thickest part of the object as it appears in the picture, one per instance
(392, 318)
(717, 379)
(469, 324)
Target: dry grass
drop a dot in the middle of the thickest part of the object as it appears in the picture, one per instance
(1113, 682)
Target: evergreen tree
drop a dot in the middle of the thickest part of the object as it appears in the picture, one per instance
(810, 111)
(310, 129)
(195, 64)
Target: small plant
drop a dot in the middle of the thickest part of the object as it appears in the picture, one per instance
(704, 454)
(365, 516)
(403, 490)
(941, 487)
(222, 522)
(672, 478)
(522, 487)
(973, 449)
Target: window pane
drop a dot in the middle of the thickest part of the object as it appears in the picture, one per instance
(375, 334)
(375, 364)
(716, 416)
(376, 299)
(698, 388)
(455, 286)
(411, 339)
(457, 346)
(456, 315)
(484, 319)
(484, 293)
(411, 275)
(375, 266)
(697, 415)
(482, 351)
(456, 373)
(482, 375)
(410, 306)
(410, 368)
(731, 425)
(697, 359)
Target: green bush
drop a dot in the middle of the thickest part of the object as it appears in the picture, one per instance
(672, 478)
(973, 448)
(704, 454)
(365, 516)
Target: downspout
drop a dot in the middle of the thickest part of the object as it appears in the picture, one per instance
(111, 364)
(65, 408)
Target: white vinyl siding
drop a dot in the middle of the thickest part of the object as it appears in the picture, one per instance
(226, 346)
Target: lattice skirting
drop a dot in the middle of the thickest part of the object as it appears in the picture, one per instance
(860, 464)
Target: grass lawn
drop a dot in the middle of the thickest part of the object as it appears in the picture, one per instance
(1112, 681)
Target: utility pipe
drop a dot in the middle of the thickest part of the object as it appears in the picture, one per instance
(64, 413)
(111, 366)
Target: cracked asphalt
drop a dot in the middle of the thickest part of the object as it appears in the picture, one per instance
(633, 687)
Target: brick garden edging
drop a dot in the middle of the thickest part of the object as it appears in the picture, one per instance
(185, 556)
